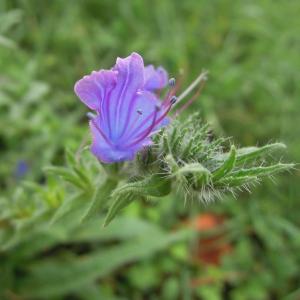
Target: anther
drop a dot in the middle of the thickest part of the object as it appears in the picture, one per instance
(139, 111)
(90, 116)
(157, 107)
(173, 100)
(172, 82)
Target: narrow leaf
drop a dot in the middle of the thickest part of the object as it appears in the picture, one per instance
(232, 181)
(53, 277)
(100, 198)
(227, 166)
(118, 204)
(251, 153)
(262, 171)
(67, 175)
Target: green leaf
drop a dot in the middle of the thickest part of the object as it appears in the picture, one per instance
(6, 42)
(251, 153)
(232, 181)
(70, 158)
(66, 174)
(25, 230)
(152, 186)
(227, 165)
(262, 171)
(94, 291)
(100, 198)
(155, 185)
(75, 203)
(82, 174)
(9, 19)
(53, 277)
(122, 229)
(118, 204)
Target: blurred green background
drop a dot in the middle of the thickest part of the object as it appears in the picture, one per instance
(251, 49)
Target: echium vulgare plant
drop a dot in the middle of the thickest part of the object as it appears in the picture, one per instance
(149, 151)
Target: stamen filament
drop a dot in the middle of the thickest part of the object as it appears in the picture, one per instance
(191, 100)
(133, 124)
(164, 114)
(146, 132)
(170, 102)
(202, 77)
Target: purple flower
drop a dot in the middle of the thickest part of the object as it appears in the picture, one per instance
(127, 110)
(155, 79)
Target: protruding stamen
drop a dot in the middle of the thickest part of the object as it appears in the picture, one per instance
(139, 111)
(193, 98)
(172, 82)
(200, 79)
(173, 100)
(90, 116)
(170, 101)
(171, 91)
(163, 115)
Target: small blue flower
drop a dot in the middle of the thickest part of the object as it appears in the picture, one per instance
(127, 110)
(21, 169)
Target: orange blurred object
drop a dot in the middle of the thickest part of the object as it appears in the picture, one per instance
(211, 248)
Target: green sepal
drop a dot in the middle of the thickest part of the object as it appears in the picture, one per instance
(227, 165)
(196, 172)
(153, 186)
